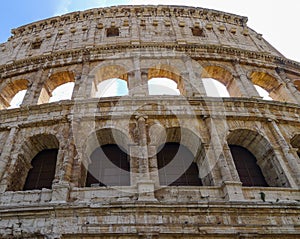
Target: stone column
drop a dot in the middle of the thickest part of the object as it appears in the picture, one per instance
(34, 91)
(61, 185)
(145, 184)
(231, 186)
(5, 156)
(84, 84)
(138, 79)
(293, 165)
(248, 86)
(196, 85)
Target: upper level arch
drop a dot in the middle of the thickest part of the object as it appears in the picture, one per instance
(225, 76)
(218, 72)
(276, 89)
(9, 89)
(108, 72)
(54, 81)
(165, 72)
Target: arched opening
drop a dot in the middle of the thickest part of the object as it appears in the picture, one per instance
(17, 99)
(176, 166)
(105, 161)
(111, 87)
(162, 86)
(165, 80)
(62, 92)
(56, 88)
(262, 151)
(109, 167)
(110, 80)
(246, 164)
(13, 93)
(35, 164)
(276, 90)
(215, 88)
(219, 82)
(42, 171)
(263, 93)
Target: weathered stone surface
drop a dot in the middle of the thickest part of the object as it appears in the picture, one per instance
(136, 44)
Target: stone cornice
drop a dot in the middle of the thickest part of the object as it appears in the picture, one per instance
(196, 51)
(225, 108)
(133, 11)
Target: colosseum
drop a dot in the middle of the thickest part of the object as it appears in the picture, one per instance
(140, 163)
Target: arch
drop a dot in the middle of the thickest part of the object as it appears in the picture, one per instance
(246, 164)
(10, 89)
(62, 92)
(29, 151)
(42, 171)
(224, 76)
(262, 150)
(163, 71)
(162, 86)
(105, 136)
(176, 166)
(109, 167)
(277, 90)
(264, 80)
(215, 88)
(106, 72)
(190, 141)
(181, 135)
(99, 145)
(17, 100)
(54, 81)
(263, 93)
(111, 87)
(219, 73)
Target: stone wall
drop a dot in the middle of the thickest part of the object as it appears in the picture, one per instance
(152, 42)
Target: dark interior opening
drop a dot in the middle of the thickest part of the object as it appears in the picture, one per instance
(246, 164)
(176, 166)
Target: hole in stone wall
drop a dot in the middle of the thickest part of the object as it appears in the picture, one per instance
(112, 32)
(42, 172)
(162, 86)
(176, 166)
(198, 32)
(263, 93)
(17, 99)
(246, 164)
(62, 92)
(214, 88)
(109, 167)
(112, 87)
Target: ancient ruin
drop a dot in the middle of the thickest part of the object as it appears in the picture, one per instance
(139, 164)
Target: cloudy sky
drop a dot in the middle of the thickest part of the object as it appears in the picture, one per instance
(277, 20)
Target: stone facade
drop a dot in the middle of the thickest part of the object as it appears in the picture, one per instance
(136, 44)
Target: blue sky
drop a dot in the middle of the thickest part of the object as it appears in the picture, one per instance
(277, 20)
